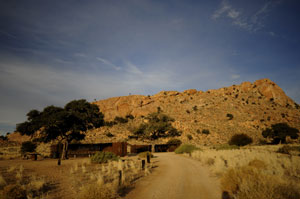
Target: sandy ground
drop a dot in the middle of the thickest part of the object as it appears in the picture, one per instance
(57, 176)
(176, 177)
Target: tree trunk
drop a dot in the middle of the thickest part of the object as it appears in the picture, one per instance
(59, 153)
(65, 150)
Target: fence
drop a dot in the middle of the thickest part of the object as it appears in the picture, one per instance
(82, 150)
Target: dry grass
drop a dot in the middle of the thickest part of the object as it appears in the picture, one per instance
(256, 172)
(249, 182)
(2, 181)
(8, 153)
(103, 180)
(96, 191)
(19, 185)
(70, 180)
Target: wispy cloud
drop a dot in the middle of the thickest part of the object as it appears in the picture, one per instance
(249, 22)
(8, 34)
(108, 63)
(224, 8)
(131, 68)
(235, 76)
(233, 14)
(80, 55)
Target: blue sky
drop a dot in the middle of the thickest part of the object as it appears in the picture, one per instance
(52, 52)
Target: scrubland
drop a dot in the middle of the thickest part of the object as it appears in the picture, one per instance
(75, 178)
(253, 172)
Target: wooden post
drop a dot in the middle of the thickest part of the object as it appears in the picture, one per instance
(143, 164)
(148, 157)
(59, 154)
(120, 177)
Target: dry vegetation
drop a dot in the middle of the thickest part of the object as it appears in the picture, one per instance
(103, 181)
(75, 178)
(15, 183)
(9, 152)
(254, 172)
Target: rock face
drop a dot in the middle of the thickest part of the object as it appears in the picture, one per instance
(254, 107)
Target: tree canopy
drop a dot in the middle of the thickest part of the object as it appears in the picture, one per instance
(158, 125)
(62, 124)
(278, 132)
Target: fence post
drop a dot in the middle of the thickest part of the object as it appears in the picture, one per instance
(120, 177)
(148, 157)
(143, 164)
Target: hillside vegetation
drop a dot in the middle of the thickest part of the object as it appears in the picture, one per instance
(248, 108)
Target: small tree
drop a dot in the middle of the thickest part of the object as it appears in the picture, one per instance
(230, 116)
(158, 126)
(28, 146)
(129, 116)
(174, 141)
(62, 124)
(278, 133)
(120, 120)
(190, 137)
(240, 140)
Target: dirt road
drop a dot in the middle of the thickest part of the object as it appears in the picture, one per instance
(176, 177)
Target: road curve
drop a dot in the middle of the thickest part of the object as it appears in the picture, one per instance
(176, 177)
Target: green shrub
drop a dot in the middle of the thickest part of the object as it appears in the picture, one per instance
(205, 131)
(186, 148)
(240, 140)
(28, 146)
(279, 131)
(109, 123)
(230, 116)
(174, 141)
(129, 116)
(287, 149)
(103, 157)
(120, 120)
(109, 134)
(2, 137)
(190, 137)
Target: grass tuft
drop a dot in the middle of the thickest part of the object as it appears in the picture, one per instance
(186, 148)
(144, 154)
(94, 191)
(2, 182)
(104, 157)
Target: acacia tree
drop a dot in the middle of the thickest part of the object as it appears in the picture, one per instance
(158, 126)
(62, 124)
(278, 133)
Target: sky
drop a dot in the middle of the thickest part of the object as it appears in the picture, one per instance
(53, 51)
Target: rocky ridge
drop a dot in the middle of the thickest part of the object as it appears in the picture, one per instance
(254, 106)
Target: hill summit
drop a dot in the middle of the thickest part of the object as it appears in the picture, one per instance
(246, 108)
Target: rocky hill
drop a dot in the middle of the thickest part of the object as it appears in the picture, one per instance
(254, 106)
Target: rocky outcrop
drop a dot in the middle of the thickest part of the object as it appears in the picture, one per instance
(254, 106)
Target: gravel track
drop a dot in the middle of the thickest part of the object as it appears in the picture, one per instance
(176, 177)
